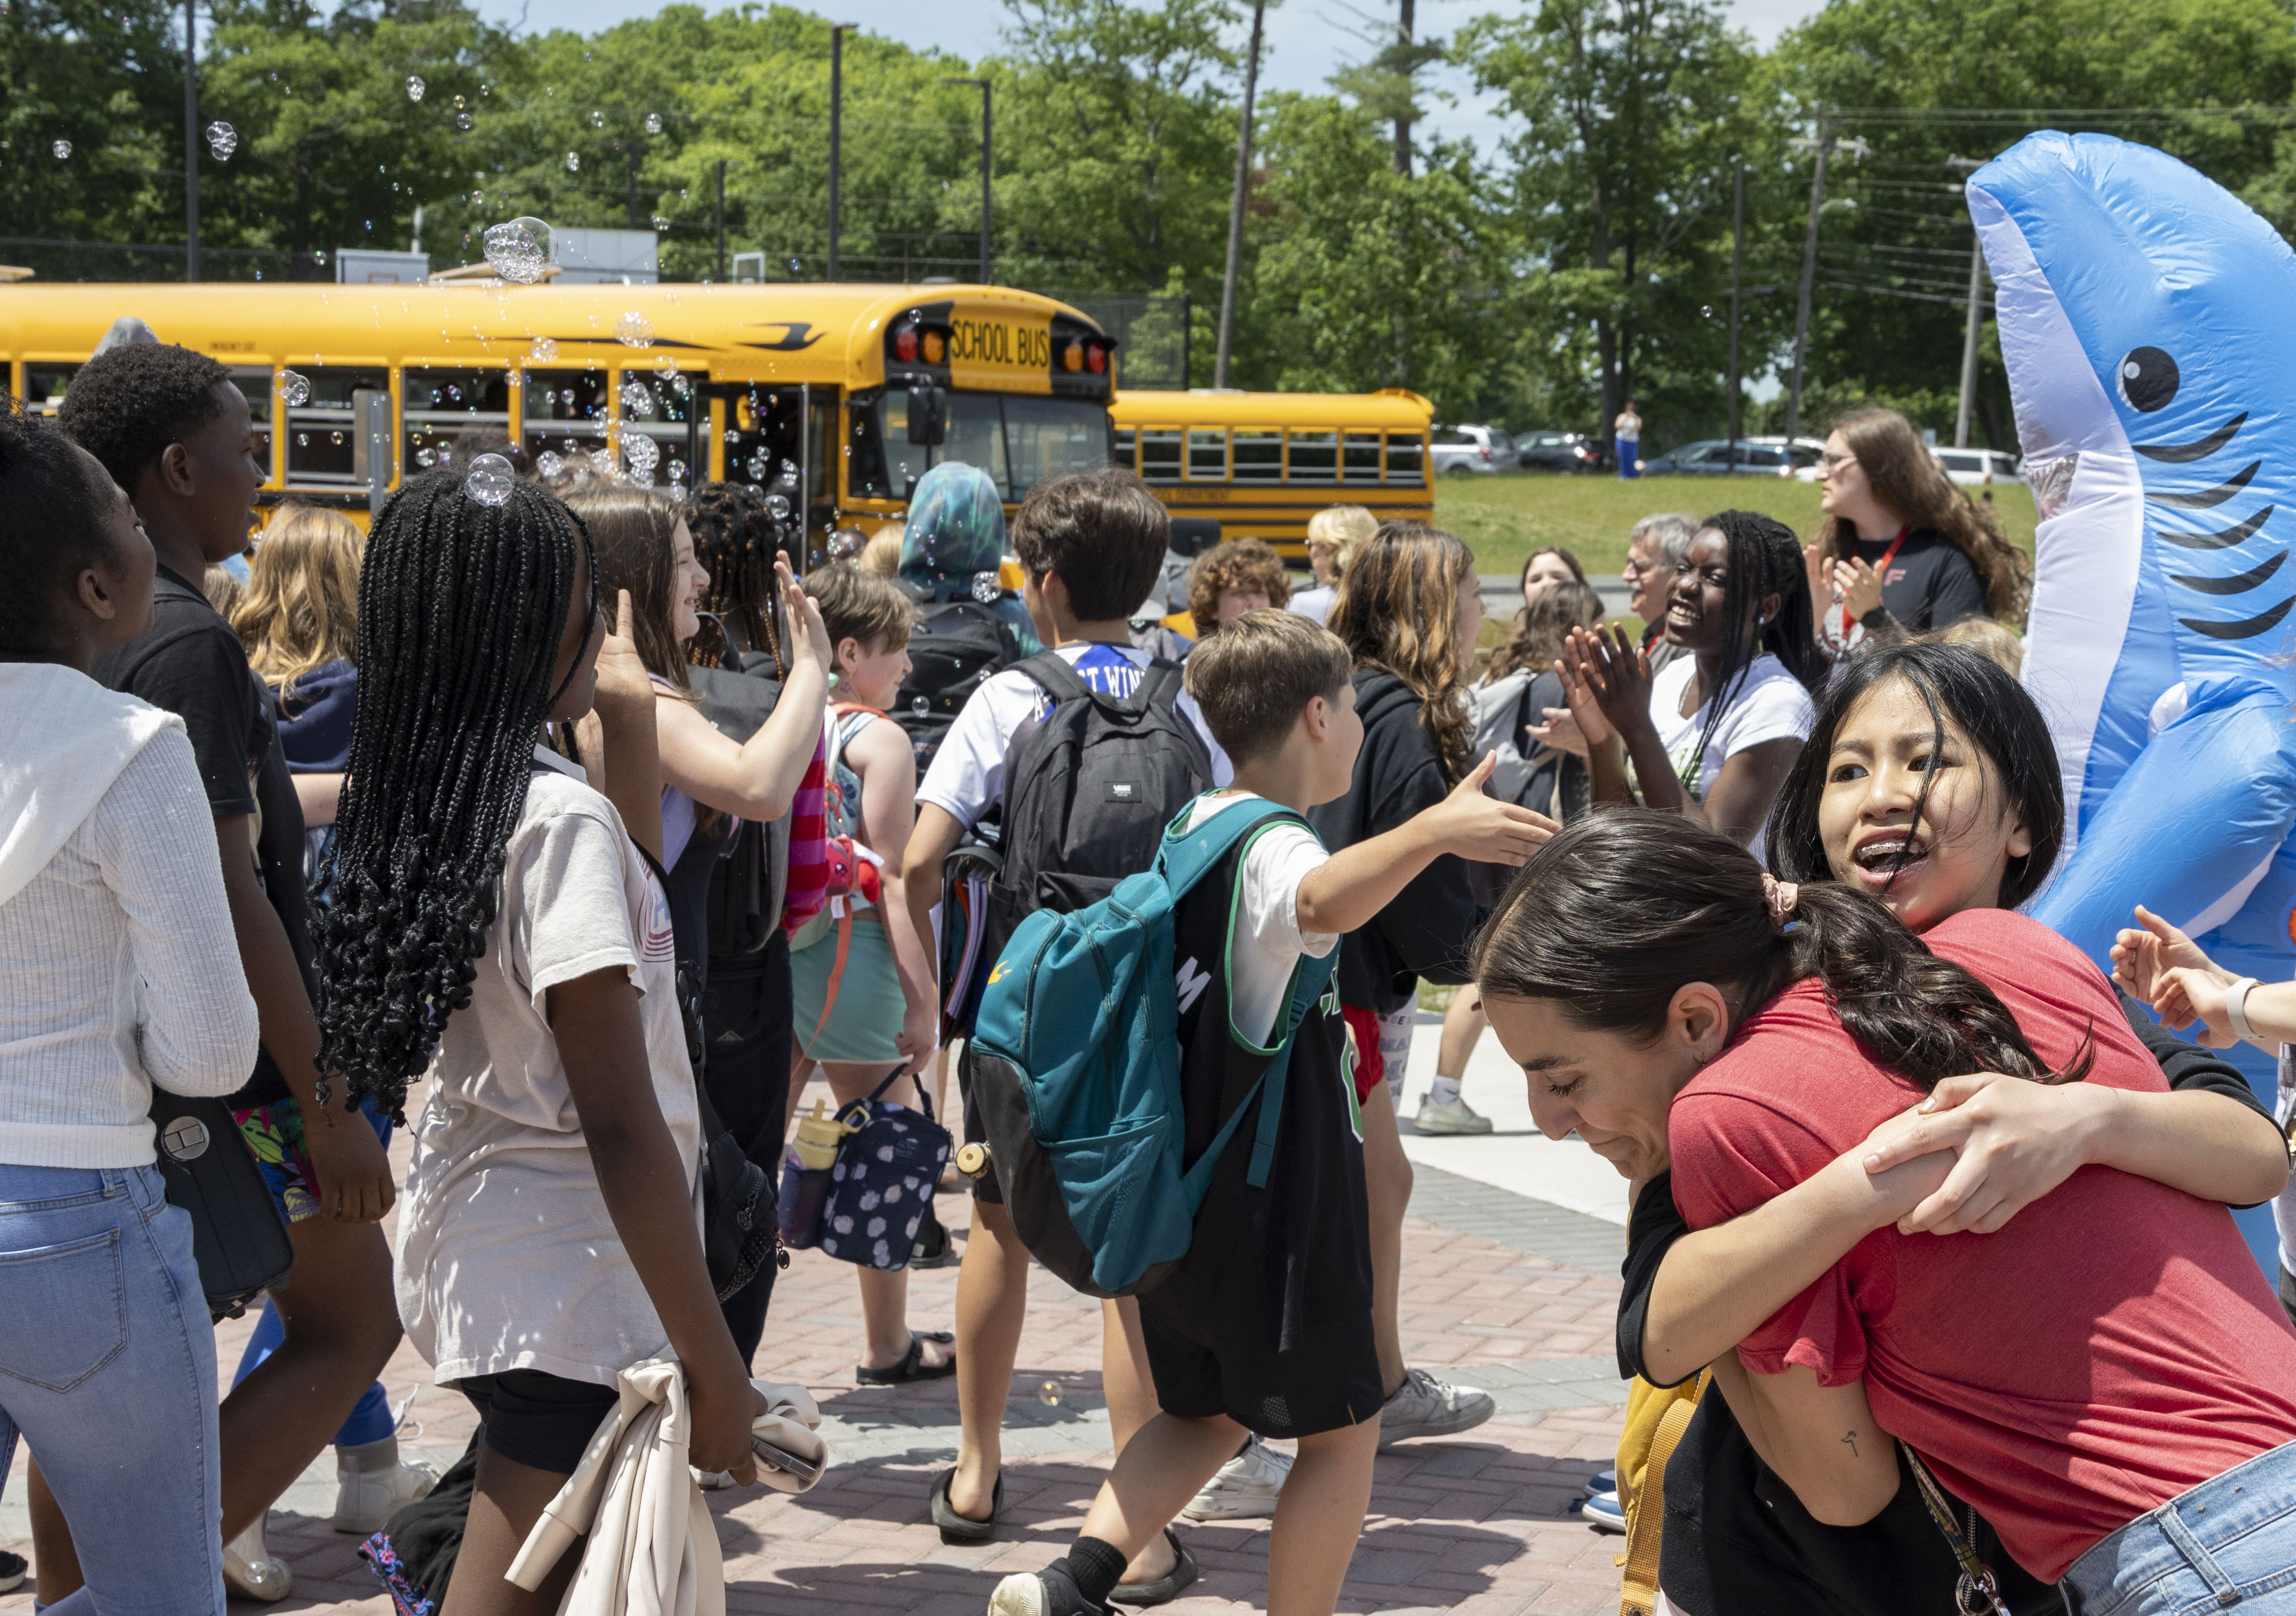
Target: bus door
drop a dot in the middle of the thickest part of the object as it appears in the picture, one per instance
(775, 439)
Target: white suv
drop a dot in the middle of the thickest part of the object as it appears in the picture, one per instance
(1464, 450)
(1978, 467)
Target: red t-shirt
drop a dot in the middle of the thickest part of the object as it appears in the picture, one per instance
(2113, 1346)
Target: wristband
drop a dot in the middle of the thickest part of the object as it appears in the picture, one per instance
(2237, 1006)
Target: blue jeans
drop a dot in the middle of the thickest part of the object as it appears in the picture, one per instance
(2228, 1543)
(108, 1368)
(1629, 453)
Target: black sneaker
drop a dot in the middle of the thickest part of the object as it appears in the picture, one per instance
(1051, 1592)
(12, 1571)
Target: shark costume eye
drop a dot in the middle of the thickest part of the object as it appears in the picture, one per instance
(2148, 379)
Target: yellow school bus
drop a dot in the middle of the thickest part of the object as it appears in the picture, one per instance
(811, 386)
(1261, 464)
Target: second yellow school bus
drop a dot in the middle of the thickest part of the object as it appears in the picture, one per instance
(1261, 464)
(792, 387)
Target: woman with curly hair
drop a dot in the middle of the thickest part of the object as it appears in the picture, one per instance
(496, 930)
(1408, 611)
(1902, 550)
(1229, 580)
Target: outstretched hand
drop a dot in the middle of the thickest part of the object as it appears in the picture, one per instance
(1612, 674)
(1564, 733)
(803, 615)
(2143, 953)
(1475, 824)
(621, 671)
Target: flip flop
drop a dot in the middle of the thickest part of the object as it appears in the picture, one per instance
(1165, 1589)
(963, 1529)
(913, 1365)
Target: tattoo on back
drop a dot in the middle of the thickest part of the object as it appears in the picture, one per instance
(1850, 1437)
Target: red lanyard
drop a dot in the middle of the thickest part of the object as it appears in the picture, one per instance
(1882, 570)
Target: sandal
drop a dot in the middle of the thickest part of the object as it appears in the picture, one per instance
(963, 1529)
(1165, 1589)
(913, 1365)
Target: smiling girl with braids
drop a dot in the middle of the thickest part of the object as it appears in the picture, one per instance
(495, 929)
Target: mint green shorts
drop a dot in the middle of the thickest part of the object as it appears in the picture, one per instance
(866, 1016)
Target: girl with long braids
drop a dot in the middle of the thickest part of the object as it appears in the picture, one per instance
(1712, 734)
(1408, 610)
(1929, 782)
(495, 929)
(2112, 1349)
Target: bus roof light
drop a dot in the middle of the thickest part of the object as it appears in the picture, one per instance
(934, 348)
(1095, 357)
(905, 344)
(1072, 356)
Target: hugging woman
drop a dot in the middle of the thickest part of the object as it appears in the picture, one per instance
(2112, 1351)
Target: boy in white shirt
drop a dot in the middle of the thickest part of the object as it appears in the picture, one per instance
(1269, 1327)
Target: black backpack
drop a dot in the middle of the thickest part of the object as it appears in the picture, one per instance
(954, 648)
(1088, 790)
(746, 886)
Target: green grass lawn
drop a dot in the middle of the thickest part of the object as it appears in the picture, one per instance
(1504, 518)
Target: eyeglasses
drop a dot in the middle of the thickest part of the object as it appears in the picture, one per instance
(1835, 463)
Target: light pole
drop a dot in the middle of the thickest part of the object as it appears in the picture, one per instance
(190, 144)
(1976, 319)
(1235, 202)
(836, 131)
(987, 128)
(1737, 267)
(1856, 147)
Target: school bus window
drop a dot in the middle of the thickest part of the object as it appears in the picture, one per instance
(1315, 457)
(1049, 438)
(322, 432)
(659, 408)
(1206, 454)
(1259, 456)
(255, 381)
(45, 384)
(1122, 451)
(975, 436)
(1403, 459)
(1362, 463)
(765, 452)
(1159, 457)
(566, 412)
(439, 407)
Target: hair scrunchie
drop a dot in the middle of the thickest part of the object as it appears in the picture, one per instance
(1779, 897)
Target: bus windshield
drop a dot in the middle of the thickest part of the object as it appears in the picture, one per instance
(1019, 441)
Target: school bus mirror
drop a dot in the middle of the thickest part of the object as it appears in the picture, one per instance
(927, 416)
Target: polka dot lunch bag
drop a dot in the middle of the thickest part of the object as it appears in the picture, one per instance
(883, 1179)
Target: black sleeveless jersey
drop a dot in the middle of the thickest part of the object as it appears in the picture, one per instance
(1269, 1267)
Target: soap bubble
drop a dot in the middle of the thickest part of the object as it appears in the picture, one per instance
(477, 198)
(642, 454)
(548, 463)
(319, 255)
(414, 86)
(426, 458)
(294, 389)
(490, 480)
(515, 250)
(464, 121)
(787, 481)
(460, 103)
(1050, 1393)
(637, 399)
(302, 441)
(777, 507)
(1706, 311)
(573, 161)
(985, 589)
(597, 120)
(920, 705)
(654, 123)
(542, 351)
(677, 470)
(758, 466)
(222, 140)
(601, 459)
(666, 367)
(660, 224)
(335, 436)
(633, 330)
(62, 149)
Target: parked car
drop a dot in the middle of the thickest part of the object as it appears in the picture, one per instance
(1978, 468)
(1541, 450)
(1468, 451)
(1712, 457)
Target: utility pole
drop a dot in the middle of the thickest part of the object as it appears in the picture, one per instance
(721, 221)
(1405, 18)
(1235, 201)
(191, 143)
(987, 130)
(836, 131)
(633, 184)
(1976, 318)
(1809, 275)
(1737, 268)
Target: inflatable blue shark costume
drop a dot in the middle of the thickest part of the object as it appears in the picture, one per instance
(2144, 313)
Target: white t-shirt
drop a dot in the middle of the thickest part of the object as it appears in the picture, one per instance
(967, 776)
(507, 1259)
(1316, 603)
(1265, 942)
(1766, 702)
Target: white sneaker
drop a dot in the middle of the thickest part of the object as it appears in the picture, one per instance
(1452, 1116)
(366, 1499)
(250, 1569)
(1604, 1510)
(712, 1480)
(1425, 1407)
(1244, 1488)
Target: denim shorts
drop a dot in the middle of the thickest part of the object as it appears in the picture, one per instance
(2229, 1543)
(108, 1368)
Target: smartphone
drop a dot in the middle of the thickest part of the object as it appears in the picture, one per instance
(781, 1459)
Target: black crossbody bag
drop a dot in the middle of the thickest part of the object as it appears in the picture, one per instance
(238, 1236)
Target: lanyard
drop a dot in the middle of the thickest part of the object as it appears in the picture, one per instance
(1881, 571)
(1977, 1594)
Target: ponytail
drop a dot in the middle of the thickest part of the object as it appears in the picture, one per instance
(1622, 909)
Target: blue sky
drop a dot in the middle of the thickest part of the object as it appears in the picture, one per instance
(1307, 39)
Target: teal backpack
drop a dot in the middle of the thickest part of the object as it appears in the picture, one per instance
(1075, 1069)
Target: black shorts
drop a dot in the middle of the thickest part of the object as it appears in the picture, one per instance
(1300, 1393)
(541, 1420)
(985, 1187)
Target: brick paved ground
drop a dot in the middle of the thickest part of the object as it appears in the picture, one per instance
(1482, 1525)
